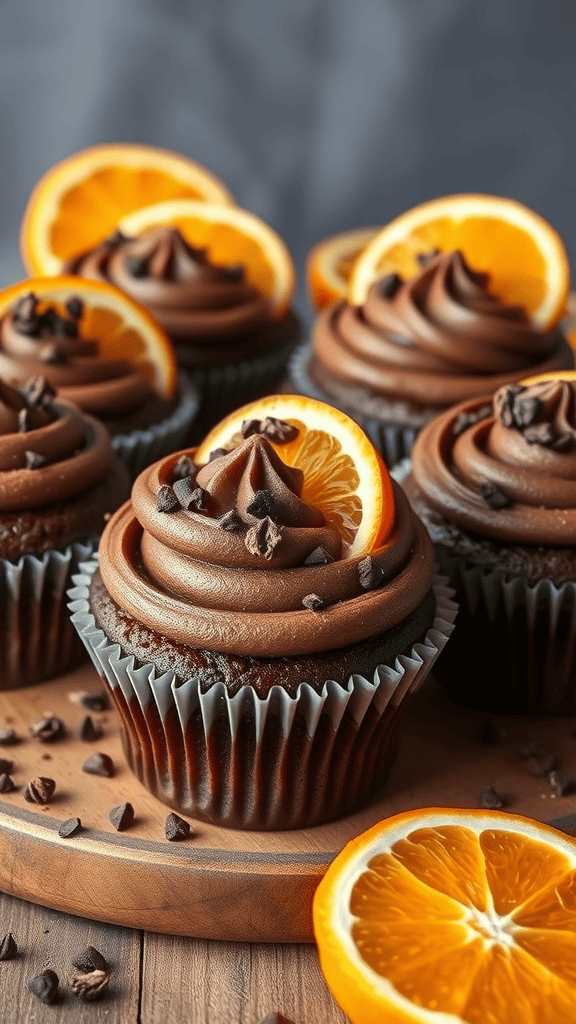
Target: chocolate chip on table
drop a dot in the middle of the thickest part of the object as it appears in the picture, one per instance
(313, 602)
(75, 307)
(94, 701)
(389, 285)
(122, 817)
(494, 496)
(99, 764)
(34, 460)
(263, 537)
(561, 784)
(176, 828)
(69, 828)
(8, 947)
(263, 504)
(48, 729)
(370, 575)
(217, 453)
(319, 557)
(6, 765)
(90, 730)
(89, 987)
(543, 765)
(45, 986)
(7, 784)
(189, 494)
(166, 500)
(90, 959)
(490, 799)
(137, 266)
(8, 736)
(230, 521)
(39, 790)
(184, 467)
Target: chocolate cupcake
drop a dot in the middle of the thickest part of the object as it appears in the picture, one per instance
(495, 484)
(261, 677)
(58, 479)
(417, 347)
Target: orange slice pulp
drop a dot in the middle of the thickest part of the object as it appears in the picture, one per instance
(445, 916)
(231, 236)
(80, 200)
(122, 327)
(523, 255)
(344, 476)
(329, 265)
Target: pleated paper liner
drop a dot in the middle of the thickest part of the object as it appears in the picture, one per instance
(140, 448)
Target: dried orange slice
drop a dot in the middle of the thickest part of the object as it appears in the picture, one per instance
(121, 326)
(445, 916)
(329, 265)
(231, 236)
(80, 200)
(523, 254)
(344, 475)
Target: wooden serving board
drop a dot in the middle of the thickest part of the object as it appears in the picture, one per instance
(221, 883)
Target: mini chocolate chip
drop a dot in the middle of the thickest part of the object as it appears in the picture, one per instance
(217, 454)
(235, 273)
(389, 285)
(541, 766)
(184, 468)
(319, 557)
(494, 496)
(137, 266)
(370, 575)
(189, 494)
(48, 729)
(45, 986)
(24, 417)
(263, 504)
(99, 764)
(39, 790)
(8, 947)
(230, 521)
(95, 701)
(122, 817)
(69, 828)
(7, 784)
(166, 500)
(525, 410)
(75, 306)
(34, 460)
(6, 765)
(503, 403)
(89, 987)
(90, 730)
(52, 354)
(540, 433)
(263, 537)
(176, 828)
(8, 736)
(490, 799)
(424, 258)
(561, 784)
(313, 602)
(90, 959)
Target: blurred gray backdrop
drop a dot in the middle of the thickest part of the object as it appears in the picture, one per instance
(320, 115)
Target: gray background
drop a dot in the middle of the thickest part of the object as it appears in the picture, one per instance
(319, 114)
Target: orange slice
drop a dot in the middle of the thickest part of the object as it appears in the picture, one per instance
(344, 475)
(524, 256)
(329, 265)
(121, 326)
(445, 916)
(231, 236)
(80, 200)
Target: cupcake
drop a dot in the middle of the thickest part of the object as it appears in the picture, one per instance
(97, 348)
(495, 484)
(59, 478)
(260, 663)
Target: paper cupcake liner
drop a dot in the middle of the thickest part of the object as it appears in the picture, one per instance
(140, 448)
(37, 639)
(252, 763)
(393, 440)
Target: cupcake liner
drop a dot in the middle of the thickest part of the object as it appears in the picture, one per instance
(247, 762)
(140, 448)
(394, 441)
(37, 639)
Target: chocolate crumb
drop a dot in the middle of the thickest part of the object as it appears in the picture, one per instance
(503, 403)
(69, 828)
(99, 764)
(90, 959)
(274, 429)
(122, 817)
(90, 730)
(6, 765)
(8, 947)
(48, 729)
(176, 828)
(319, 557)
(189, 494)
(136, 265)
(542, 765)
(217, 454)
(525, 410)
(469, 419)
(313, 603)
(540, 433)
(89, 987)
(34, 460)
(166, 500)
(490, 799)
(39, 790)
(230, 521)
(389, 285)
(424, 258)
(263, 537)
(8, 736)
(7, 784)
(561, 784)
(370, 575)
(184, 467)
(263, 504)
(75, 307)
(494, 496)
(38, 392)
(114, 239)
(45, 986)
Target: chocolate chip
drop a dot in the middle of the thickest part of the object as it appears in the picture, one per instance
(235, 273)
(278, 431)
(526, 410)
(540, 433)
(6, 765)
(75, 307)
(95, 701)
(89, 987)
(251, 427)
(176, 828)
(184, 467)
(370, 575)
(69, 828)
(113, 240)
(25, 308)
(8, 947)
(389, 285)
(503, 403)
(8, 737)
(90, 730)
(263, 504)
(137, 266)
(217, 454)
(490, 799)
(189, 494)
(424, 258)
(166, 500)
(48, 729)
(313, 602)
(90, 959)
(37, 392)
(39, 790)
(561, 784)
(230, 521)
(7, 784)
(319, 557)
(45, 986)
(464, 420)
(543, 765)
(263, 537)
(122, 817)
(99, 764)
(34, 460)
(494, 496)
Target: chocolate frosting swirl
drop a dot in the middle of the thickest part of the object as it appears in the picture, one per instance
(439, 338)
(182, 575)
(507, 473)
(211, 313)
(49, 451)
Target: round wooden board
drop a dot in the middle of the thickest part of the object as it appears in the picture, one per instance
(220, 883)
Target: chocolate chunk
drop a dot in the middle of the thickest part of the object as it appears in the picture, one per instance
(424, 258)
(113, 240)
(8, 947)
(503, 403)
(137, 266)
(370, 574)
(469, 419)
(278, 431)
(490, 799)
(99, 764)
(262, 538)
(525, 410)
(230, 521)
(8, 736)
(542, 765)
(45, 986)
(24, 418)
(494, 496)
(561, 784)
(69, 828)
(37, 392)
(122, 817)
(319, 557)
(90, 959)
(25, 308)
(89, 987)
(75, 307)
(189, 494)
(67, 328)
(7, 784)
(48, 729)
(39, 790)
(184, 467)
(52, 354)
(235, 273)
(540, 433)
(166, 500)
(389, 285)
(313, 603)
(251, 427)
(95, 701)
(176, 828)
(90, 730)
(6, 765)
(263, 504)
(217, 454)
(34, 460)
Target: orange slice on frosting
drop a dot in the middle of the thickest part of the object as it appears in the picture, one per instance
(329, 265)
